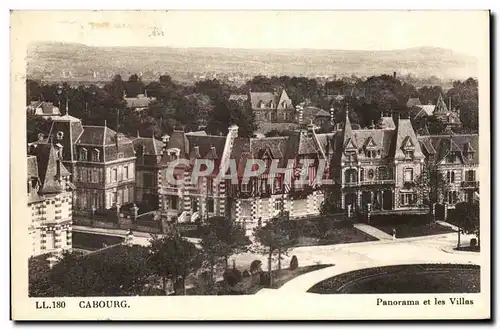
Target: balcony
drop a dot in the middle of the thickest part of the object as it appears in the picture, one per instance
(470, 184)
(409, 184)
(376, 182)
(351, 184)
(170, 191)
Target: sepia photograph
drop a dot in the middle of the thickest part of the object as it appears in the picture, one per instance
(285, 156)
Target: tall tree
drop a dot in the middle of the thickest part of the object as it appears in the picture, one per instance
(432, 185)
(275, 241)
(173, 257)
(468, 220)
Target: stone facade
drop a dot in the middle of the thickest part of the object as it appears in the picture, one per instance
(49, 200)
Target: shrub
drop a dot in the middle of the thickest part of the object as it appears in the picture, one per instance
(246, 273)
(294, 263)
(264, 278)
(255, 266)
(232, 276)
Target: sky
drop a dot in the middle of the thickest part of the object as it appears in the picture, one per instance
(461, 31)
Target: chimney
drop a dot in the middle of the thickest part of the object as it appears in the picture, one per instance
(449, 104)
(233, 130)
(165, 138)
(197, 151)
(300, 113)
(394, 74)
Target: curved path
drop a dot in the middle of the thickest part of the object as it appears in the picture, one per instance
(349, 257)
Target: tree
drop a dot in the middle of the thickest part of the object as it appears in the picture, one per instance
(225, 236)
(431, 185)
(173, 257)
(231, 112)
(134, 86)
(117, 271)
(468, 220)
(464, 96)
(36, 125)
(275, 240)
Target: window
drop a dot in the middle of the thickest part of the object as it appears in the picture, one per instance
(194, 204)
(382, 173)
(95, 155)
(210, 205)
(115, 175)
(95, 175)
(244, 187)
(470, 175)
(148, 180)
(278, 205)
(125, 196)
(450, 176)
(371, 174)
(120, 155)
(362, 174)
(83, 154)
(210, 186)
(408, 199)
(125, 172)
(452, 197)
(409, 154)
(370, 153)
(263, 185)
(173, 202)
(408, 175)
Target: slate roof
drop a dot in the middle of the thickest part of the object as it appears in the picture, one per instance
(47, 165)
(413, 101)
(138, 102)
(440, 146)
(270, 100)
(423, 110)
(48, 108)
(97, 136)
(314, 112)
(238, 97)
(405, 132)
(209, 146)
(151, 146)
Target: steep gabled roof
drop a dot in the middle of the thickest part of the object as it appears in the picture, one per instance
(441, 107)
(404, 136)
(460, 143)
(47, 162)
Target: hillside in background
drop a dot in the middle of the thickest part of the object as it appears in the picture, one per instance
(58, 61)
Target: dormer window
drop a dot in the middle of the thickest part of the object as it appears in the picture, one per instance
(120, 155)
(283, 104)
(409, 154)
(95, 155)
(83, 154)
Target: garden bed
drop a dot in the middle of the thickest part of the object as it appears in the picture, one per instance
(253, 283)
(430, 278)
(324, 232)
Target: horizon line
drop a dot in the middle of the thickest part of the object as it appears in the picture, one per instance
(249, 48)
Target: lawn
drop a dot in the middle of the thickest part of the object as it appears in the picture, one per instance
(324, 232)
(409, 225)
(434, 278)
(93, 242)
